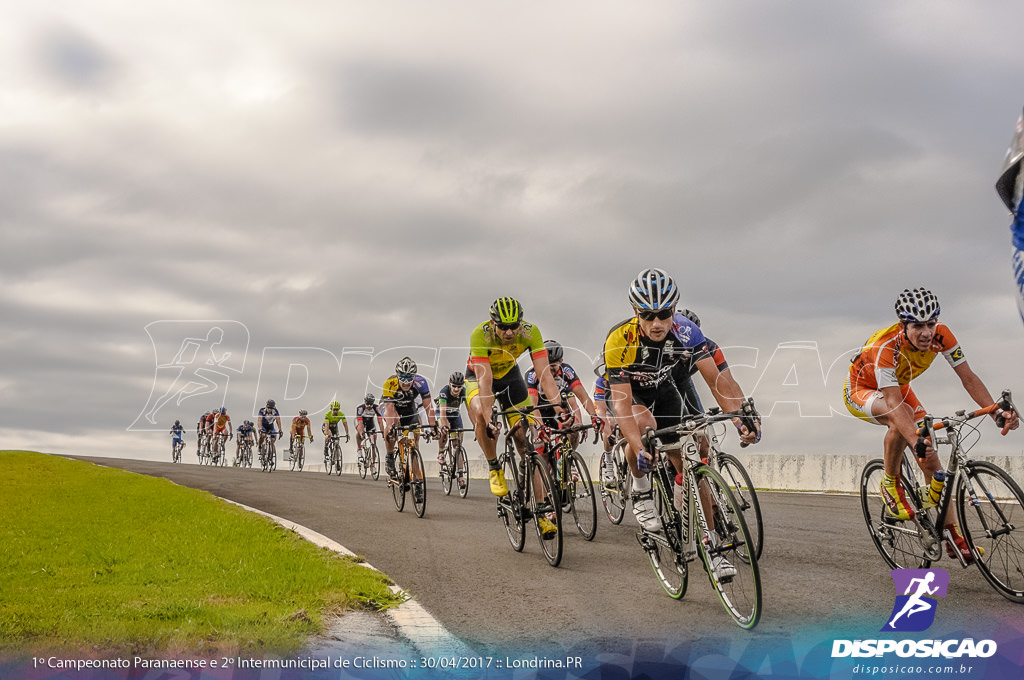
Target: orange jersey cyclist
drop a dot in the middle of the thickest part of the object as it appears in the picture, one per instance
(492, 373)
(878, 391)
(403, 392)
(640, 355)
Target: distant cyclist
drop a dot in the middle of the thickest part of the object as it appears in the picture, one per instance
(368, 416)
(449, 415)
(878, 391)
(330, 426)
(402, 395)
(301, 428)
(246, 433)
(267, 419)
(569, 385)
(176, 435)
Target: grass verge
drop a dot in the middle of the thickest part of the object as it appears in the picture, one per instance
(102, 560)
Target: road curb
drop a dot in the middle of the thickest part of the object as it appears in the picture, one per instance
(412, 621)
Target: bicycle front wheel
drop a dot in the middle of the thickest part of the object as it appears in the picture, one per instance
(665, 548)
(462, 471)
(328, 461)
(614, 492)
(993, 526)
(550, 509)
(511, 506)
(374, 462)
(417, 482)
(735, 475)
(898, 542)
(398, 485)
(579, 490)
(739, 588)
(446, 470)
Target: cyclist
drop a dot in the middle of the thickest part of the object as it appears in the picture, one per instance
(368, 414)
(200, 429)
(878, 391)
(300, 428)
(401, 409)
(246, 433)
(176, 433)
(569, 385)
(267, 418)
(222, 423)
(492, 373)
(640, 355)
(449, 417)
(330, 426)
(604, 412)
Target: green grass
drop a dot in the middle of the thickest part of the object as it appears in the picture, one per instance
(109, 561)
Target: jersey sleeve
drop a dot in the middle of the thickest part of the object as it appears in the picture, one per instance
(390, 389)
(535, 342)
(572, 379)
(421, 387)
(951, 348)
(479, 344)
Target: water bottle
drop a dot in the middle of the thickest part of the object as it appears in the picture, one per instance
(677, 493)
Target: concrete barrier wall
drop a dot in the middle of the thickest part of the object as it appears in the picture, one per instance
(780, 472)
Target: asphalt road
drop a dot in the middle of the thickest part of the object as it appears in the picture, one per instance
(819, 569)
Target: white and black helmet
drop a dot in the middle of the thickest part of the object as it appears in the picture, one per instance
(919, 304)
(406, 367)
(653, 289)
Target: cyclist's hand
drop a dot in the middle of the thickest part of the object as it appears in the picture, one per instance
(310, 439)
(443, 432)
(923, 447)
(748, 436)
(1007, 420)
(596, 421)
(347, 438)
(644, 462)
(492, 430)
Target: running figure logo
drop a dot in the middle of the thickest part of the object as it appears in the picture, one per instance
(915, 608)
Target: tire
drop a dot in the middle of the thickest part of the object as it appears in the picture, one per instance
(462, 471)
(614, 499)
(417, 482)
(665, 549)
(328, 462)
(580, 496)
(337, 459)
(551, 547)
(741, 594)
(510, 507)
(898, 542)
(272, 450)
(374, 461)
(361, 460)
(398, 488)
(735, 475)
(448, 470)
(995, 525)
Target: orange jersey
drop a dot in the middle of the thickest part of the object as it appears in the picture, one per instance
(300, 424)
(888, 360)
(220, 421)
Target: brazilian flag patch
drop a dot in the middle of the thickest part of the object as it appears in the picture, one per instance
(958, 354)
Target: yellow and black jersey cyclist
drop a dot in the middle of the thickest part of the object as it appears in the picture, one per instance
(403, 394)
(493, 374)
(331, 419)
(641, 354)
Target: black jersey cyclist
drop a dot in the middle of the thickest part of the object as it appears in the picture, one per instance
(403, 394)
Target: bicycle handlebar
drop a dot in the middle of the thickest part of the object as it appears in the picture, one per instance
(692, 423)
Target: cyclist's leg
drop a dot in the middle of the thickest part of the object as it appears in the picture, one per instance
(488, 445)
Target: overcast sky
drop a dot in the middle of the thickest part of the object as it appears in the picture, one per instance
(331, 182)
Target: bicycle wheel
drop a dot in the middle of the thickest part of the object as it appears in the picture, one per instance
(740, 592)
(361, 459)
(272, 452)
(898, 542)
(462, 471)
(337, 459)
(511, 506)
(581, 499)
(447, 470)
(614, 494)
(417, 482)
(996, 525)
(302, 456)
(374, 461)
(735, 475)
(551, 508)
(398, 486)
(665, 549)
(329, 460)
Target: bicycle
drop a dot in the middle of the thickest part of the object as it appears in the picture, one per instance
(332, 457)
(711, 520)
(614, 492)
(990, 505)
(738, 479)
(217, 456)
(298, 451)
(203, 448)
(244, 458)
(369, 456)
(268, 451)
(454, 469)
(176, 450)
(575, 488)
(521, 503)
(410, 475)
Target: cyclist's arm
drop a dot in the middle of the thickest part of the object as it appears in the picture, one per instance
(547, 380)
(581, 394)
(427, 403)
(979, 393)
(485, 383)
(622, 403)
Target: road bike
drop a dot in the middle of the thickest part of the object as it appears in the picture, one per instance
(409, 471)
(176, 450)
(297, 452)
(268, 451)
(708, 523)
(454, 467)
(525, 501)
(369, 456)
(332, 456)
(575, 487)
(616, 489)
(989, 503)
(244, 458)
(736, 476)
(217, 455)
(203, 448)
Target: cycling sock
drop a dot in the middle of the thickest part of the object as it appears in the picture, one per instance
(493, 464)
(889, 480)
(641, 484)
(935, 489)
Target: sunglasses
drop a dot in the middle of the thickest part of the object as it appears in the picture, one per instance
(406, 378)
(660, 315)
(507, 326)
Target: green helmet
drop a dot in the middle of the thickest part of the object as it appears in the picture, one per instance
(506, 310)
(335, 405)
